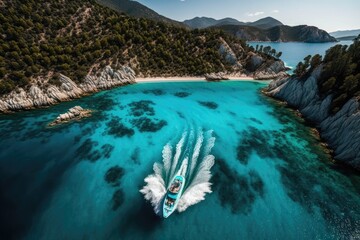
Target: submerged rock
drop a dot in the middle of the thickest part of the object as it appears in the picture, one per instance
(74, 113)
(341, 131)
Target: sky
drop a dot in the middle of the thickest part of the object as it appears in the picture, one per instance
(330, 15)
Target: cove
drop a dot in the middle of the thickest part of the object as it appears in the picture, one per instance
(271, 178)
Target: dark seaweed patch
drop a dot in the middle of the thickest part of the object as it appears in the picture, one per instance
(135, 156)
(210, 105)
(107, 150)
(141, 108)
(253, 140)
(113, 175)
(180, 115)
(256, 183)
(256, 121)
(236, 191)
(156, 92)
(86, 151)
(145, 124)
(232, 114)
(118, 129)
(103, 103)
(182, 94)
(117, 199)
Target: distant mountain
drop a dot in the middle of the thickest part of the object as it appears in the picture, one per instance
(346, 34)
(282, 33)
(136, 9)
(265, 23)
(205, 22)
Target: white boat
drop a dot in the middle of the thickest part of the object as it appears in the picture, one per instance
(173, 195)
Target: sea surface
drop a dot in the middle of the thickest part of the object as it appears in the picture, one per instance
(294, 52)
(271, 178)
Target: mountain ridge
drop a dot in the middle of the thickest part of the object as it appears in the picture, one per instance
(345, 34)
(138, 10)
(205, 22)
(301, 33)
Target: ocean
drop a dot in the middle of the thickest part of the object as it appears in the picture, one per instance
(258, 171)
(294, 52)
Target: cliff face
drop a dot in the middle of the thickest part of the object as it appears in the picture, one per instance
(38, 95)
(341, 131)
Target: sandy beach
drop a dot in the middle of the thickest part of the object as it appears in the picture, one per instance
(190, 79)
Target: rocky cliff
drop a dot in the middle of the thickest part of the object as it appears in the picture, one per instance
(40, 94)
(341, 131)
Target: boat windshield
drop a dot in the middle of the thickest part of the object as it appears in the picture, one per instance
(175, 186)
(169, 202)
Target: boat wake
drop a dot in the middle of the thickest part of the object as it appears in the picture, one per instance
(193, 160)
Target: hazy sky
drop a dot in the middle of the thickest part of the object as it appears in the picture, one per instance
(330, 15)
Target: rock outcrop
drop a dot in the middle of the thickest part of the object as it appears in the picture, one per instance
(41, 95)
(75, 113)
(271, 70)
(341, 131)
(229, 55)
(215, 77)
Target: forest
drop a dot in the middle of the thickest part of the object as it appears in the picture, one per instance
(41, 39)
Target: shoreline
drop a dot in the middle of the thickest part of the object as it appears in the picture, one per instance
(193, 79)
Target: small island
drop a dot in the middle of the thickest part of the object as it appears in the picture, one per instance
(74, 113)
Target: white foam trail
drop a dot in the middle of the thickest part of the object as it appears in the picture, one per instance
(154, 191)
(198, 174)
(184, 166)
(177, 155)
(210, 143)
(196, 152)
(167, 154)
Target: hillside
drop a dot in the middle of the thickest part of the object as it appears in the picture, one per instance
(136, 9)
(205, 22)
(68, 44)
(282, 33)
(265, 23)
(327, 92)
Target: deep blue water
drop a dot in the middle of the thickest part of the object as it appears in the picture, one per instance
(294, 52)
(81, 180)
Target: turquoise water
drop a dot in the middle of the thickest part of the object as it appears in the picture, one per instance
(271, 178)
(294, 52)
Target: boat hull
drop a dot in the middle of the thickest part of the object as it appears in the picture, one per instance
(173, 195)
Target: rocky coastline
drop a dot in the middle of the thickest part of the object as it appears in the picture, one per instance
(341, 131)
(39, 94)
(43, 94)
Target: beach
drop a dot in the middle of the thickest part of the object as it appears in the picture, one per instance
(190, 79)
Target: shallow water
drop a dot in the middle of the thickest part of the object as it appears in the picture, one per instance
(271, 178)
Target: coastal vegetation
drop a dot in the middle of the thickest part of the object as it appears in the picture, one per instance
(340, 74)
(40, 40)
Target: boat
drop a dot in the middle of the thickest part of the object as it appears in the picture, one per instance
(173, 195)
